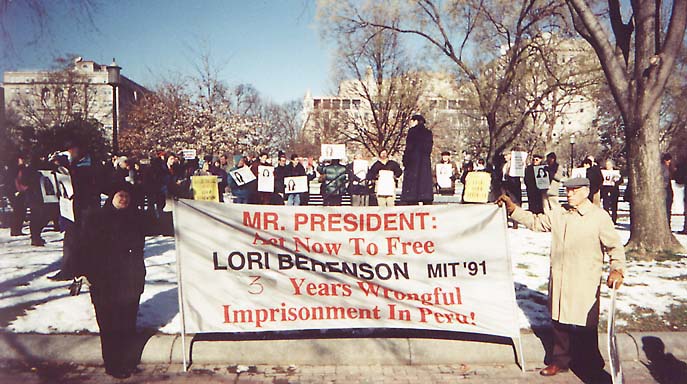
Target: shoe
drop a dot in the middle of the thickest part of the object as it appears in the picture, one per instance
(16, 234)
(59, 276)
(552, 370)
(118, 374)
(38, 243)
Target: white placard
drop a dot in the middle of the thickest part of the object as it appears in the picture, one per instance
(518, 161)
(541, 176)
(242, 175)
(66, 195)
(49, 189)
(444, 173)
(386, 184)
(265, 178)
(333, 151)
(188, 154)
(611, 176)
(296, 184)
(360, 168)
(579, 172)
(280, 268)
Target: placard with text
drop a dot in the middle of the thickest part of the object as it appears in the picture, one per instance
(271, 268)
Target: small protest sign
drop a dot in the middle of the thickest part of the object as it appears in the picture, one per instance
(48, 187)
(386, 185)
(579, 172)
(296, 184)
(541, 177)
(242, 176)
(188, 154)
(444, 173)
(265, 178)
(477, 187)
(66, 196)
(517, 164)
(360, 168)
(334, 151)
(611, 176)
(204, 188)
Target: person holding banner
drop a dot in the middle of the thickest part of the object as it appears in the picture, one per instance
(294, 169)
(417, 180)
(241, 193)
(582, 232)
(445, 174)
(111, 258)
(386, 196)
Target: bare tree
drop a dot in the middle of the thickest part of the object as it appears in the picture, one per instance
(637, 58)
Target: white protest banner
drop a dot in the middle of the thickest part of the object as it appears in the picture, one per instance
(188, 154)
(334, 151)
(579, 172)
(296, 184)
(360, 168)
(613, 356)
(517, 164)
(242, 175)
(66, 196)
(274, 268)
(48, 187)
(541, 177)
(477, 187)
(265, 178)
(444, 173)
(386, 184)
(611, 176)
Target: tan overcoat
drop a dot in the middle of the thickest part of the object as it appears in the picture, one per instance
(579, 238)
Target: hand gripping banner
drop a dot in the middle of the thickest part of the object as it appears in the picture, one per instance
(248, 268)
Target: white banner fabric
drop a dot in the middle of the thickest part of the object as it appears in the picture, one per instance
(270, 268)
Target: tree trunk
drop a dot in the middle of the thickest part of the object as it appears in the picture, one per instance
(650, 236)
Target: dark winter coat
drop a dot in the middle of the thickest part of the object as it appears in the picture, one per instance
(87, 183)
(596, 179)
(111, 252)
(335, 179)
(417, 179)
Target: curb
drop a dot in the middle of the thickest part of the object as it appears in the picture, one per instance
(166, 349)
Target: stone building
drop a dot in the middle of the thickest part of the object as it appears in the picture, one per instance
(45, 98)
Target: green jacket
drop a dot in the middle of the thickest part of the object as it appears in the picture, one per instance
(335, 178)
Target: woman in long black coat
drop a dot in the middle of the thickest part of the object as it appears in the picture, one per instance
(417, 175)
(112, 260)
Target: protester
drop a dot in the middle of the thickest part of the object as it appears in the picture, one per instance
(509, 185)
(467, 168)
(666, 171)
(217, 170)
(596, 179)
(383, 163)
(610, 192)
(555, 175)
(451, 189)
(87, 187)
(224, 163)
(358, 185)
(18, 197)
(417, 175)
(681, 178)
(334, 180)
(41, 212)
(293, 169)
(264, 198)
(280, 172)
(581, 233)
(534, 195)
(111, 258)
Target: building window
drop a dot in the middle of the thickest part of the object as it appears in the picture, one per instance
(326, 104)
(316, 103)
(452, 104)
(356, 104)
(336, 104)
(345, 104)
(433, 104)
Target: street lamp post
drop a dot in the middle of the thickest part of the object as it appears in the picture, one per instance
(114, 80)
(572, 152)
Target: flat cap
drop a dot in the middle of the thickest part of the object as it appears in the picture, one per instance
(576, 182)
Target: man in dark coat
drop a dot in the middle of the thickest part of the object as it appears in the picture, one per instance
(534, 196)
(294, 168)
(417, 179)
(19, 195)
(596, 179)
(111, 258)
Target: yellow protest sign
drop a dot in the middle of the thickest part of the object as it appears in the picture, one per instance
(205, 188)
(477, 186)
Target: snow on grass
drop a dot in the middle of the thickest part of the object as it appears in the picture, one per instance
(29, 302)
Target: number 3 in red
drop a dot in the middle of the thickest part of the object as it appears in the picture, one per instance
(255, 287)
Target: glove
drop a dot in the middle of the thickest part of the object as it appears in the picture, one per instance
(615, 278)
(510, 205)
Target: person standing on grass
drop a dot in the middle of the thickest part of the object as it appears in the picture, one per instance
(581, 234)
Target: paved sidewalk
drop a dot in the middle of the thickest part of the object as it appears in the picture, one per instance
(18, 373)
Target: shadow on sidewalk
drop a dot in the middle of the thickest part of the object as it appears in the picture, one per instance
(164, 306)
(534, 305)
(664, 367)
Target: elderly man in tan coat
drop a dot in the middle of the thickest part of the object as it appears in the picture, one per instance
(581, 233)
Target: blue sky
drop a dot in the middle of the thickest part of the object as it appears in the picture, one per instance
(273, 45)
